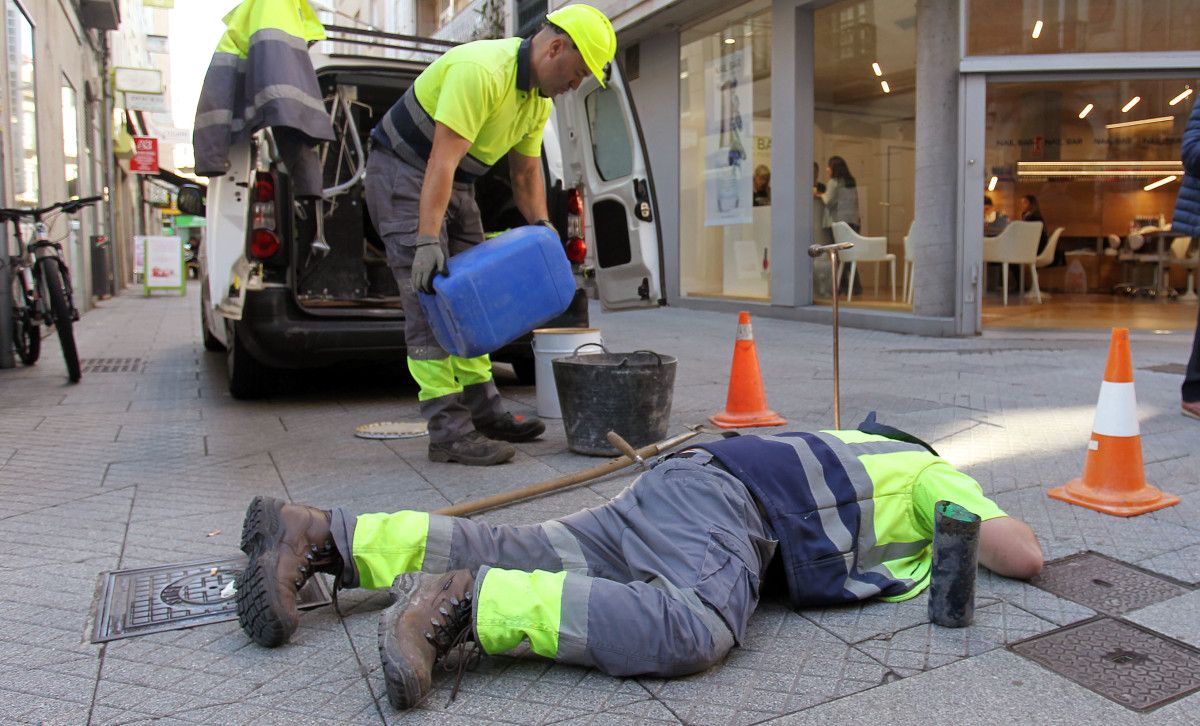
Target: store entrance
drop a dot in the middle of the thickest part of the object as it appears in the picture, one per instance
(1080, 183)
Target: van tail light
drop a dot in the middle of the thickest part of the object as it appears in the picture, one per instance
(264, 237)
(576, 246)
(264, 244)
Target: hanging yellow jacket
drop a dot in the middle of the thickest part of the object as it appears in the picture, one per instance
(260, 76)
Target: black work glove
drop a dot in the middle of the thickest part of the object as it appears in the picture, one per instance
(429, 260)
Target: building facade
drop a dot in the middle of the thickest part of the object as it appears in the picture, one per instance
(1078, 103)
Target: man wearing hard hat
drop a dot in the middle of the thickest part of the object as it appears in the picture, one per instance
(471, 107)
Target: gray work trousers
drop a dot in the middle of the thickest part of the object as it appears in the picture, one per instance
(393, 193)
(661, 580)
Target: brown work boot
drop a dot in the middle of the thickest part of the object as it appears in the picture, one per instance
(473, 449)
(1190, 409)
(431, 615)
(287, 543)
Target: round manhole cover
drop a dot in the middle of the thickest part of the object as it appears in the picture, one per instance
(200, 588)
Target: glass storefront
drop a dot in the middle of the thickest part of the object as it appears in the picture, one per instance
(22, 105)
(725, 156)
(864, 139)
(1099, 159)
(1030, 27)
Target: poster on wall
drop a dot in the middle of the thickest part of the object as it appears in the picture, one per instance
(728, 176)
(163, 263)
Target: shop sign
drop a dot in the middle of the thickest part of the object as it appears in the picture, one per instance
(157, 44)
(145, 155)
(153, 102)
(159, 3)
(163, 263)
(138, 80)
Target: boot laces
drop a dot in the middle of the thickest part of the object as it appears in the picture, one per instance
(322, 559)
(451, 633)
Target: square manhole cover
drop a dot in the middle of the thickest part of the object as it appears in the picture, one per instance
(1106, 585)
(110, 365)
(170, 597)
(1131, 665)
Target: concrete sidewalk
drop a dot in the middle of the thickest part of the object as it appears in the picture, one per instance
(154, 463)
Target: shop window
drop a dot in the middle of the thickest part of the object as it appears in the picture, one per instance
(22, 105)
(1089, 158)
(725, 156)
(70, 116)
(864, 142)
(530, 14)
(433, 15)
(612, 147)
(1008, 27)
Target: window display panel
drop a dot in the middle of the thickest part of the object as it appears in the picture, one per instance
(1008, 27)
(1099, 159)
(864, 142)
(725, 156)
(22, 108)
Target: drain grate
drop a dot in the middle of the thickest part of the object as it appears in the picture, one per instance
(1106, 585)
(152, 599)
(1123, 662)
(1176, 368)
(111, 365)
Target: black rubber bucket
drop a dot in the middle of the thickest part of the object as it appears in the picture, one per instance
(629, 393)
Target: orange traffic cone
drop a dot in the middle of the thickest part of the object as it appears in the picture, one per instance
(746, 404)
(1113, 481)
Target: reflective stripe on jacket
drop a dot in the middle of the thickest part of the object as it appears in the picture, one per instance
(845, 530)
(260, 76)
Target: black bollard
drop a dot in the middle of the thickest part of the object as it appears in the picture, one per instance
(955, 559)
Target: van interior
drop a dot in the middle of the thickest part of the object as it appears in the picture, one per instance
(353, 276)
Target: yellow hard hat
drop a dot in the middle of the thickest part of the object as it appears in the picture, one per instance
(592, 33)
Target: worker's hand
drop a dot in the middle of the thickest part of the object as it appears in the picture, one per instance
(548, 225)
(429, 260)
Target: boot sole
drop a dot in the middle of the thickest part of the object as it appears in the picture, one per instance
(404, 689)
(446, 457)
(264, 620)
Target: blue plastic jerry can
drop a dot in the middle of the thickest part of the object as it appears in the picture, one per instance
(499, 290)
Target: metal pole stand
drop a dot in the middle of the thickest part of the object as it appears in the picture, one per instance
(816, 251)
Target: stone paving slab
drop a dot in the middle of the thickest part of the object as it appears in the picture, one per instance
(156, 466)
(1178, 617)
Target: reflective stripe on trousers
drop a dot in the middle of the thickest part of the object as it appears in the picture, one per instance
(661, 580)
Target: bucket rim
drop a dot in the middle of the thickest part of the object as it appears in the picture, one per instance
(565, 331)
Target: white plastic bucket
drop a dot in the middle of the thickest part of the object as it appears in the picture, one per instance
(548, 344)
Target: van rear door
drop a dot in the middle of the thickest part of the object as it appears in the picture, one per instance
(604, 156)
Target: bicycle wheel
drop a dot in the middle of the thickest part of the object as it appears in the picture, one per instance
(27, 335)
(60, 308)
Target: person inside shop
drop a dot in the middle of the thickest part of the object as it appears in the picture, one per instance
(660, 581)
(1031, 211)
(477, 103)
(762, 186)
(994, 221)
(840, 195)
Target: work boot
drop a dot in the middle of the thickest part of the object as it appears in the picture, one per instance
(473, 449)
(286, 543)
(431, 615)
(511, 428)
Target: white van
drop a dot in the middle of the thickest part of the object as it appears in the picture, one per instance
(291, 284)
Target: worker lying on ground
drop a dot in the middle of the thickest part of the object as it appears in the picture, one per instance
(659, 581)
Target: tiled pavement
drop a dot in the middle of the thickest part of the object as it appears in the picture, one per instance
(156, 466)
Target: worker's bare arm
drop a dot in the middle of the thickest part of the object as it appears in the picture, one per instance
(1008, 547)
(529, 188)
(448, 150)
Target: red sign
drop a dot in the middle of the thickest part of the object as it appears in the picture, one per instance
(145, 155)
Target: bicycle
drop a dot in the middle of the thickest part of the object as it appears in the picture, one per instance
(41, 288)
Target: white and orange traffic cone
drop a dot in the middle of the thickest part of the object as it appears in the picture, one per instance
(746, 404)
(1113, 479)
